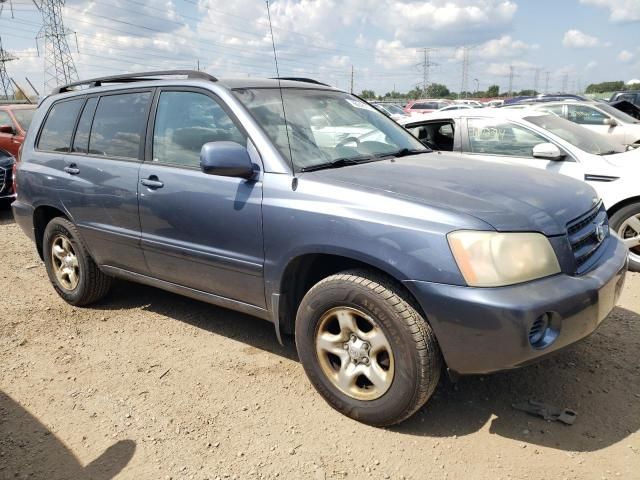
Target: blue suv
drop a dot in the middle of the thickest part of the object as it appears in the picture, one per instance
(303, 205)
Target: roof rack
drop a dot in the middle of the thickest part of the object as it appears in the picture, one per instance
(301, 79)
(134, 77)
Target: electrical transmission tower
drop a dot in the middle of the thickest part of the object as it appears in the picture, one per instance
(464, 85)
(426, 67)
(511, 74)
(59, 68)
(546, 81)
(6, 87)
(565, 82)
(536, 80)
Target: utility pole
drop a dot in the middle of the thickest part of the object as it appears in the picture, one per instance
(565, 82)
(546, 81)
(426, 67)
(352, 79)
(536, 80)
(59, 68)
(6, 87)
(511, 74)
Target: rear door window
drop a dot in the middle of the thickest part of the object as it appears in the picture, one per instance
(496, 137)
(585, 115)
(119, 124)
(58, 128)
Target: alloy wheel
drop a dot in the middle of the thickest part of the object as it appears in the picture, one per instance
(629, 232)
(65, 262)
(354, 353)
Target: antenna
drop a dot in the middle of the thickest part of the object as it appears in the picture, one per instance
(284, 113)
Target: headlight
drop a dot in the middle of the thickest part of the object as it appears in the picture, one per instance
(493, 259)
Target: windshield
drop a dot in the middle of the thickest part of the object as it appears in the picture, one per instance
(325, 126)
(618, 114)
(24, 117)
(576, 135)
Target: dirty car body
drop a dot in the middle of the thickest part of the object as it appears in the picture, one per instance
(260, 242)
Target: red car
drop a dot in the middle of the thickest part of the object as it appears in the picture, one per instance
(425, 106)
(14, 123)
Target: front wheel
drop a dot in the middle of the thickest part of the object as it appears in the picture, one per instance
(626, 223)
(366, 349)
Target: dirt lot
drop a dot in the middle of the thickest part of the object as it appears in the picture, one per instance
(150, 385)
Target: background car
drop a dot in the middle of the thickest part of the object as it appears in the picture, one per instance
(632, 96)
(599, 117)
(14, 123)
(541, 140)
(7, 162)
(425, 106)
(456, 106)
(390, 110)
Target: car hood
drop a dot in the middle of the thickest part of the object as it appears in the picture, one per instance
(508, 197)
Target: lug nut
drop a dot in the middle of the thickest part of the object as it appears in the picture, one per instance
(365, 346)
(365, 360)
(353, 338)
(345, 346)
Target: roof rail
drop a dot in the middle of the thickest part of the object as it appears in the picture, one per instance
(134, 77)
(301, 79)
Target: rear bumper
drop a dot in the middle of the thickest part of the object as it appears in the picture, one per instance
(482, 330)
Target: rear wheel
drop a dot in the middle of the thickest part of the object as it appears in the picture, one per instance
(366, 349)
(626, 223)
(71, 270)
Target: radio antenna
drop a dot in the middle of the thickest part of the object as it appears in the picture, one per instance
(284, 113)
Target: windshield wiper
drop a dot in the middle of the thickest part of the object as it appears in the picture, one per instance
(337, 163)
(403, 152)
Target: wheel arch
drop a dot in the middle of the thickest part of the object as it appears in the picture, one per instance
(305, 270)
(621, 204)
(42, 215)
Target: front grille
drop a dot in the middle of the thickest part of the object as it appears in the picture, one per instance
(4, 179)
(586, 234)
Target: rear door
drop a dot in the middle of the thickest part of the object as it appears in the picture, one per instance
(99, 177)
(501, 140)
(199, 231)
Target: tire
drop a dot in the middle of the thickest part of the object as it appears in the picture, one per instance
(410, 362)
(619, 223)
(80, 282)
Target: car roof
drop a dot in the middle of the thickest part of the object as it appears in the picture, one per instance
(233, 83)
(505, 113)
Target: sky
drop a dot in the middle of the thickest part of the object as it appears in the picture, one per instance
(570, 42)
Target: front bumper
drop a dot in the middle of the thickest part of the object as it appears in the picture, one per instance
(483, 330)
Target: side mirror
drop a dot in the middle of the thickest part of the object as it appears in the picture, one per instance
(610, 121)
(7, 129)
(227, 159)
(548, 151)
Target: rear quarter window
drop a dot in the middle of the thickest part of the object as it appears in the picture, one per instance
(58, 127)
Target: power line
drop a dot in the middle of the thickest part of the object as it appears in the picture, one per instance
(547, 74)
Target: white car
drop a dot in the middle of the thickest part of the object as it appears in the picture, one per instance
(456, 106)
(541, 140)
(599, 117)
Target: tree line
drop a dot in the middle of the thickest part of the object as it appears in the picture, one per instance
(605, 87)
(438, 90)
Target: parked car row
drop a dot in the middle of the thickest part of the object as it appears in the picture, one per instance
(387, 261)
(539, 138)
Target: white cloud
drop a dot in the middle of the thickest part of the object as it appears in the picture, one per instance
(625, 56)
(447, 22)
(591, 65)
(576, 39)
(504, 47)
(393, 54)
(621, 11)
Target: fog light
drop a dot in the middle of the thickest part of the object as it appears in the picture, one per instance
(538, 330)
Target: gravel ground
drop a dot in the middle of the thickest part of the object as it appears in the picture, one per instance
(150, 385)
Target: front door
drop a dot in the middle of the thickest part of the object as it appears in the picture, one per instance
(504, 141)
(199, 231)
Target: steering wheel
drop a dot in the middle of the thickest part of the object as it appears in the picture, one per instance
(344, 142)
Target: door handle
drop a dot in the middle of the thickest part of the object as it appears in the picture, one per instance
(72, 169)
(152, 182)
